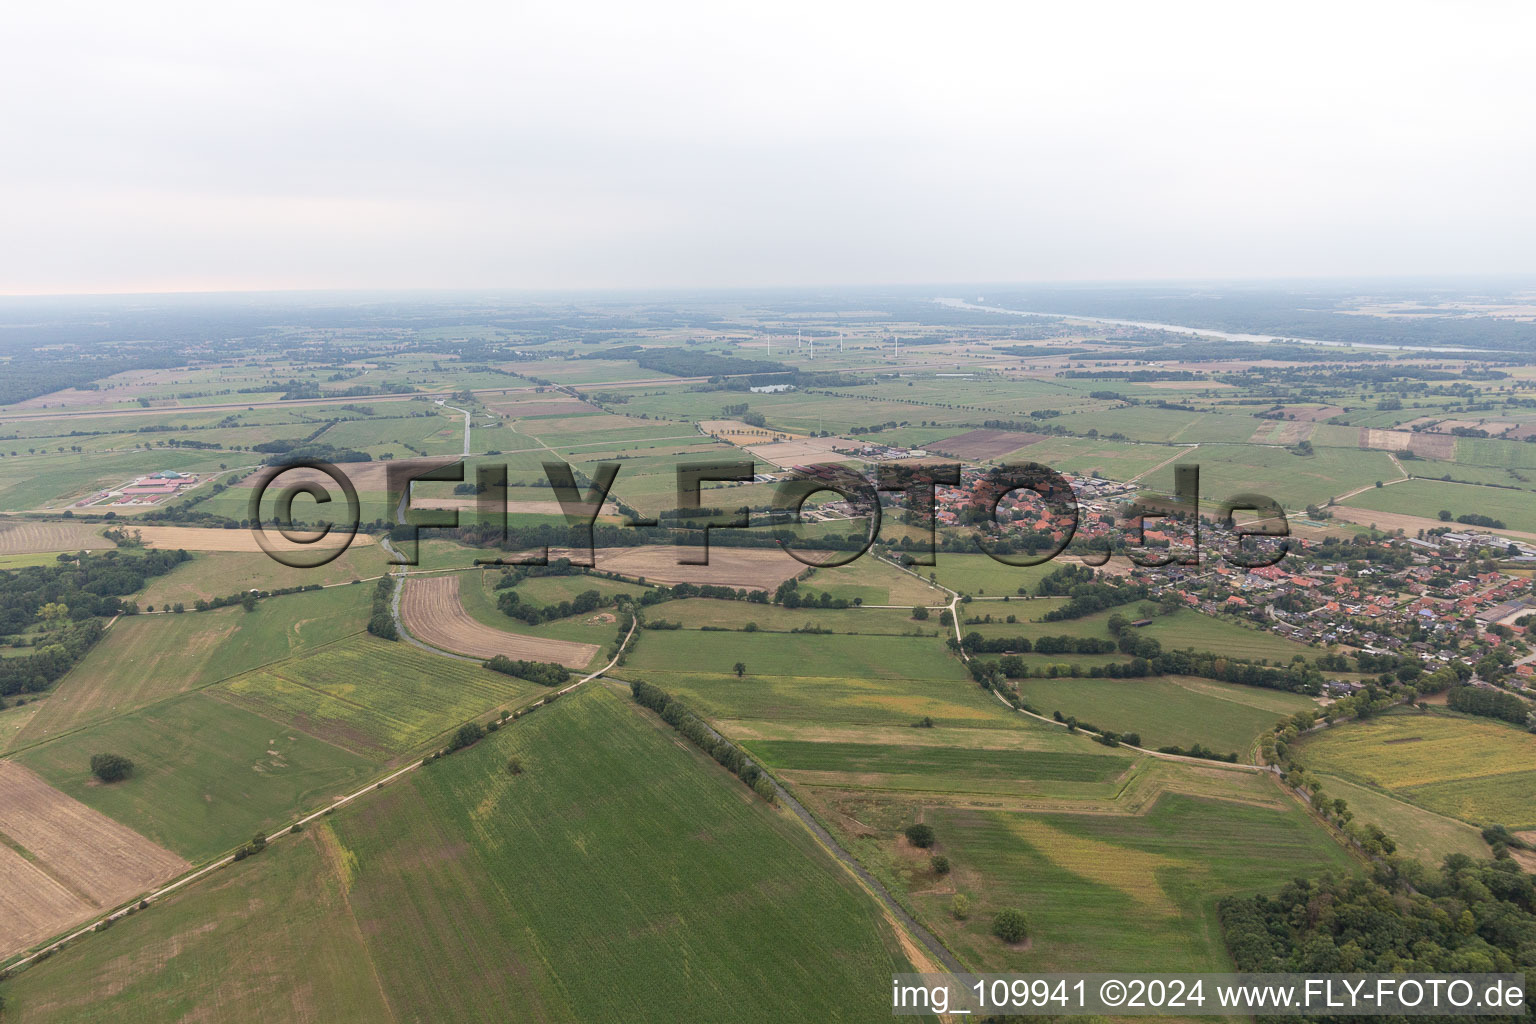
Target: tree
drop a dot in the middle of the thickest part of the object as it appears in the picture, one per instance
(940, 864)
(740, 668)
(111, 767)
(1445, 515)
(920, 835)
(920, 613)
(945, 618)
(468, 735)
(960, 906)
(1011, 925)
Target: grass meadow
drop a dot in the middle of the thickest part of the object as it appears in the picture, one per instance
(1165, 711)
(1474, 769)
(206, 774)
(377, 698)
(146, 658)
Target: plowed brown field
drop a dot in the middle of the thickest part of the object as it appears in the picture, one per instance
(81, 861)
(432, 612)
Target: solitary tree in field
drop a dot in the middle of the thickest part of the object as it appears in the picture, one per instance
(110, 767)
(1011, 925)
(920, 835)
(740, 668)
(920, 612)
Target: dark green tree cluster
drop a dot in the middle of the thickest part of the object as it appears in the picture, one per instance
(381, 620)
(111, 767)
(1463, 917)
(1475, 700)
(702, 736)
(545, 673)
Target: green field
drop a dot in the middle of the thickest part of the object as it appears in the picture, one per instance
(145, 658)
(874, 582)
(207, 774)
(808, 656)
(694, 612)
(1165, 711)
(1475, 769)
(53, 481)
(984, 575)
(1294, 481)
(886, 759)
(1427, 497)
(1102, 886)
(449, 898)
(212, 574)
(1421, 834)
(378, 698)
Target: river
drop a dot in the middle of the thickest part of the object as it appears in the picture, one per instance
(1205, 332)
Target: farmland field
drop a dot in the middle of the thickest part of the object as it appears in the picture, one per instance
(22, 537)
(145, 658)
(210, 574)
(1421, 834)
(57, 839)
(1082, 878)
(374, 697)
(1427, 497)
(1477, 770)
(798, 654)
(403, 923)
(207, 774)
(749, 568)
(694, 612)
(1164, 711)
(433, 612)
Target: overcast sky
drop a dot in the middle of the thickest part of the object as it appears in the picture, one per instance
(204, 146)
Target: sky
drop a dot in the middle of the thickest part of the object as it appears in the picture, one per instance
(217, 147)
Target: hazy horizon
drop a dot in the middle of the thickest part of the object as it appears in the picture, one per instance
(168, 149)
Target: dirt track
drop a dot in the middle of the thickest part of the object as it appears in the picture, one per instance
(83, 861)
(432, 612)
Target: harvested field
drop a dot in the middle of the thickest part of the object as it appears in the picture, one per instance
(89, 861)
(737, 432)
(1407, 523)
(193, 539)
(1314, 415)
(745, 568)
(787, 454)
(433, 612)
(1423, 444)
(984, 444)
(1282, 431)
(33, 906)
(24, 538)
